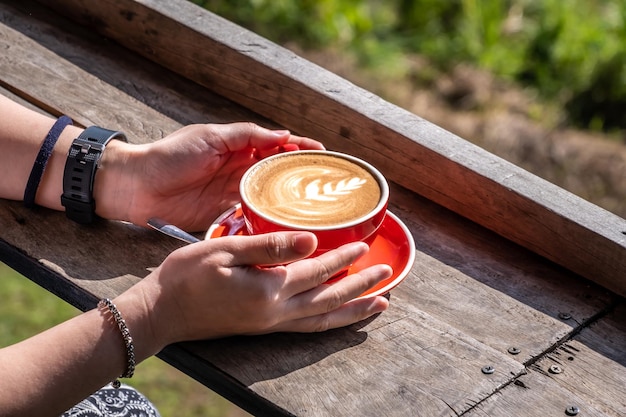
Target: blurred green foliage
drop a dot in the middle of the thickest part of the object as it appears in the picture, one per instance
(572, 52)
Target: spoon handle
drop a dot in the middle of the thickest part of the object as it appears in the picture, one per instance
(171, 230)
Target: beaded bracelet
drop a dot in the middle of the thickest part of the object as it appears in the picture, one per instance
(128, 340)
(42, 159)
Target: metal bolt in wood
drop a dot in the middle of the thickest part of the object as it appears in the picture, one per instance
(572, 410)
(555, 369)
(488, 370)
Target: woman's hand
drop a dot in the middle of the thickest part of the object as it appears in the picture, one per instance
(212, 289)
(187, 178)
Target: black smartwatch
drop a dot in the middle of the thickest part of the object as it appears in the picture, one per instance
(80, 172)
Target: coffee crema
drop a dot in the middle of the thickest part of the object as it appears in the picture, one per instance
(312, 190)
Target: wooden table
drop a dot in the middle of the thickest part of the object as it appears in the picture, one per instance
(513, 275)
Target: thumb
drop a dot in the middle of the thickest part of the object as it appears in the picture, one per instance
(269, 249)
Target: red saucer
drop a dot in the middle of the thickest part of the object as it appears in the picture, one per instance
(393, 246)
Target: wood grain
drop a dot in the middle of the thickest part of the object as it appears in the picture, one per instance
(470, 295)
(410, 151)
(591, 375)
(391, 366)
(60, 57)
(466, 271)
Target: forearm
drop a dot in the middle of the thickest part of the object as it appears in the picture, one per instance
(52, 371)
(22, 132)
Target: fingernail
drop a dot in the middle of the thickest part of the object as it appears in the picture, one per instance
(380, 304)
(288, 147)
(385, 271)
(281, 133)
(361, 247)
(304, 243)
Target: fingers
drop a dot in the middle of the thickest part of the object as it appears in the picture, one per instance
(268, 249)
(310, 273)
(295, 297)
(294, 143)
(349, 313)
(305, 275)
(305, 143)
(240, 136)
(323, 299)
(265, 140)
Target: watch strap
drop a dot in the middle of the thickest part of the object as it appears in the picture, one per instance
(80, 172)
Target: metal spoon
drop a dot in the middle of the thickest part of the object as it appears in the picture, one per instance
(171, 230)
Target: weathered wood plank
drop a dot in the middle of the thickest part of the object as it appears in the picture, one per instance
(57, 56)
(534, 395)
(411, 151)
(470, 295)
(591, 375)
(594, 363)
(469, 277)
(396, 365)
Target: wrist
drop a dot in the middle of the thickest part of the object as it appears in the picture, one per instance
(83, 162)
(113, 187)
(138, 306)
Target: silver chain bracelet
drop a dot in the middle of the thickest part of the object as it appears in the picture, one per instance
(128, 340)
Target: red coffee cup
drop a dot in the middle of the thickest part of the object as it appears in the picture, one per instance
(338, 197)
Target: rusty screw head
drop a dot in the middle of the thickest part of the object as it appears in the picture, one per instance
(555, 369)
(565, 316)
(514, 350)
(572, 410)
(488, 370)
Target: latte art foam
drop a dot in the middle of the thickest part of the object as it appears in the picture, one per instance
(312, 190)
